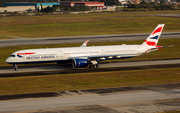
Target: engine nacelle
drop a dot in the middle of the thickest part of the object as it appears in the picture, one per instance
(78, 63)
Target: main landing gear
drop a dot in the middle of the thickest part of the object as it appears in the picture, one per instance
(94, 64)
(15, 67)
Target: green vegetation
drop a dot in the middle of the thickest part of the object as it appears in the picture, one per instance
(61, 82)
(152, 6)
(86, 24)
(165, 53)
(2, 37)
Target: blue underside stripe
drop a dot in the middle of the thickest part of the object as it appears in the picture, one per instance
(37, 62)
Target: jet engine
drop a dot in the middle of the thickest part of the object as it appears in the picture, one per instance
(78, 63)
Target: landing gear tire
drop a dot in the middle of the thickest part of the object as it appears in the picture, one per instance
(16, 69)
(97, 65)
(91, 66)
(94, 66)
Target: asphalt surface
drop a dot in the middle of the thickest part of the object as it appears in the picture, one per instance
(17, 41)
(104, 66)
(137, 99)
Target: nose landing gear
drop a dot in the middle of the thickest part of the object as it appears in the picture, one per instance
(15, 67)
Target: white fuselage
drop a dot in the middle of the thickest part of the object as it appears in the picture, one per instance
(63, 54)
(84, 56)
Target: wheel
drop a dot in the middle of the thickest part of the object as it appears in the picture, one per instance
(16, 69)
(97, 65)
(90, 66)
(93, 66)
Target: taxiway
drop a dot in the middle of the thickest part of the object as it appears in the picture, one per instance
(103, 65)
(137, 99)
(81, 39)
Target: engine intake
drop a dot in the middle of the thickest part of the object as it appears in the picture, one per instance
(78, 63)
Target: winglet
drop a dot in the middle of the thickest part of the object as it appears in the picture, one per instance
(85, 43)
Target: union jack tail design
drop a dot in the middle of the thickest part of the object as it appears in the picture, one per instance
(153, 38)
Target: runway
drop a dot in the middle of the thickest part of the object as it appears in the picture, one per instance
(137, 99)
(81, 39)
(103, 67)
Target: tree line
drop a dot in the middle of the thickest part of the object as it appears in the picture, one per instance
(152, 6)
(109, 2)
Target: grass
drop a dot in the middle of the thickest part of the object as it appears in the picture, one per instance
(1, 38)
(61, 82)
(89, 24)
(165, 53)
(86, 24)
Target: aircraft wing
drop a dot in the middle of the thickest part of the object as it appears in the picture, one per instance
(106, 57)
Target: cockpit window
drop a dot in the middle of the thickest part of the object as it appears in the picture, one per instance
(12, 56)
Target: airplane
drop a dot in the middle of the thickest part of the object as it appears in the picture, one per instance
(86, 56)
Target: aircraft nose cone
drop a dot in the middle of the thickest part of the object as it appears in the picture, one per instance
(8, 60)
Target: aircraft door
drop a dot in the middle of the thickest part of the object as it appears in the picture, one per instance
(102, 51)
(60, 54)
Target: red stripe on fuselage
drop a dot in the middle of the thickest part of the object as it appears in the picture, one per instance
(26, 53)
